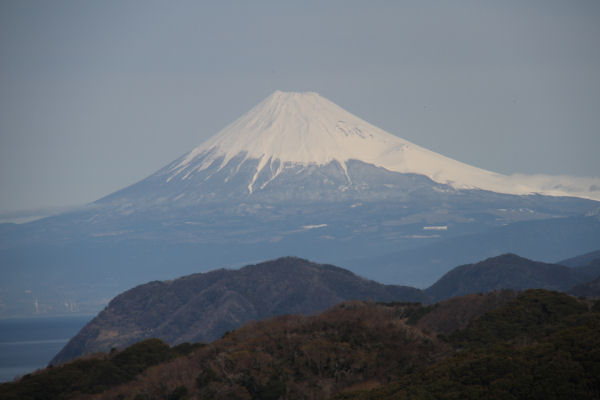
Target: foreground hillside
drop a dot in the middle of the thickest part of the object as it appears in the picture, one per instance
(529, 345)
(543, 345)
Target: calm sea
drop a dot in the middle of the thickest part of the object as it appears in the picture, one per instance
(27, 344)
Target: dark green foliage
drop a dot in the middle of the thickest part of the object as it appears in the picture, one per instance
(533, 314)
(272, 390)
(139, 356)
(179, 393)
(564, 367)
(543, 345)
(596, 306)
(186, 348)
(411, 311)
(207, 376)
(92, 375)
(416, 314)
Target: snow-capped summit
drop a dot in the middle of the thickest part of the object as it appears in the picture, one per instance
(290, 129)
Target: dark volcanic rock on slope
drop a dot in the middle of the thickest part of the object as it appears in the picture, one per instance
(201, 307)
(508, 271)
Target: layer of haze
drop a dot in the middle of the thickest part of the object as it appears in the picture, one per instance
(95, 95)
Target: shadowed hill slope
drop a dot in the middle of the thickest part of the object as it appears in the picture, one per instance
(582, 260)
(201, 307)
(508, 271)
(542, 345)
(588, 289)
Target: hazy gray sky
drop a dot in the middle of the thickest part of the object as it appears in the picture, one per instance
(95, 95)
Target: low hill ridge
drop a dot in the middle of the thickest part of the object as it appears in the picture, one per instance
(507, 271)
(201, 307)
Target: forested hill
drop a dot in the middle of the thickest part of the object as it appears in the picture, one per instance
(508, 271)
(201, 307)
(533, 344)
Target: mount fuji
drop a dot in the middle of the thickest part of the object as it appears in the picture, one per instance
(299, 134)
(296, 175)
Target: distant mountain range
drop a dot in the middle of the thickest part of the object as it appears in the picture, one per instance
(202, 307)
(296, 175)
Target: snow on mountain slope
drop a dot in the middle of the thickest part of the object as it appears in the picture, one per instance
(289, 129)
